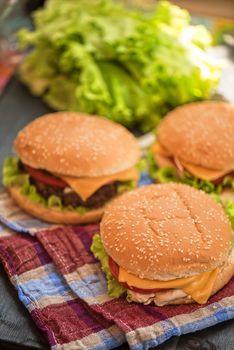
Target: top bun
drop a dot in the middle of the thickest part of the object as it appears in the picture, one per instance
(201, 133)
(69, 143)
(166, 231)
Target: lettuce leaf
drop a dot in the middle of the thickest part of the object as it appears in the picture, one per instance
(228, 207)
(103, 58)
(229, 210)
(126, 186)
(11, 173)
(168, 174)
(114, 288)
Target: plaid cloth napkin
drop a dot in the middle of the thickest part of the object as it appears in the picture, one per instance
(66, 320)
(56, 274)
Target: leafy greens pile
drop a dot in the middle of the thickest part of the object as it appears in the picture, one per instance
(101, 58)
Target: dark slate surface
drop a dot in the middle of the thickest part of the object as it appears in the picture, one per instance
(17, 330)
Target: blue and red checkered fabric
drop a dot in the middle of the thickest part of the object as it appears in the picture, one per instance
(62, 285)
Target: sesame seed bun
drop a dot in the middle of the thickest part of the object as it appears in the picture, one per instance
(54, 215)
(166, 231)
(74, 144)
(200, 133)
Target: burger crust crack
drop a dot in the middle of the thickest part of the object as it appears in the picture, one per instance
(189, 210)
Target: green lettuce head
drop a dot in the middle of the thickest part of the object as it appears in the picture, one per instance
(103, 58)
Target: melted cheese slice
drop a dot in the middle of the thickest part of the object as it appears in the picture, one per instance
(86, 187)
(196, 170)
(199, 287)
(203, 173)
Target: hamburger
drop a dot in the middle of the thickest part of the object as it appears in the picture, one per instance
(165, 244)
(195, 145)
(70, 165)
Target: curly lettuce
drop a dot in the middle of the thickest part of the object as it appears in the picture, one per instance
(114, 288)
(126, 186)
(229, 209)
(11, 173)
(103, 58)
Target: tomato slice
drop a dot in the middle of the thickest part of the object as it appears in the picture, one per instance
(114, 268)
(220, 179)
(47, 179)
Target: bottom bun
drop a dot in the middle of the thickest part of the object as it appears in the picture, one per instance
(54, 215)
(178, 296)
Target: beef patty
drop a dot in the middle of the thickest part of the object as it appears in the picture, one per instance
(98, 199)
